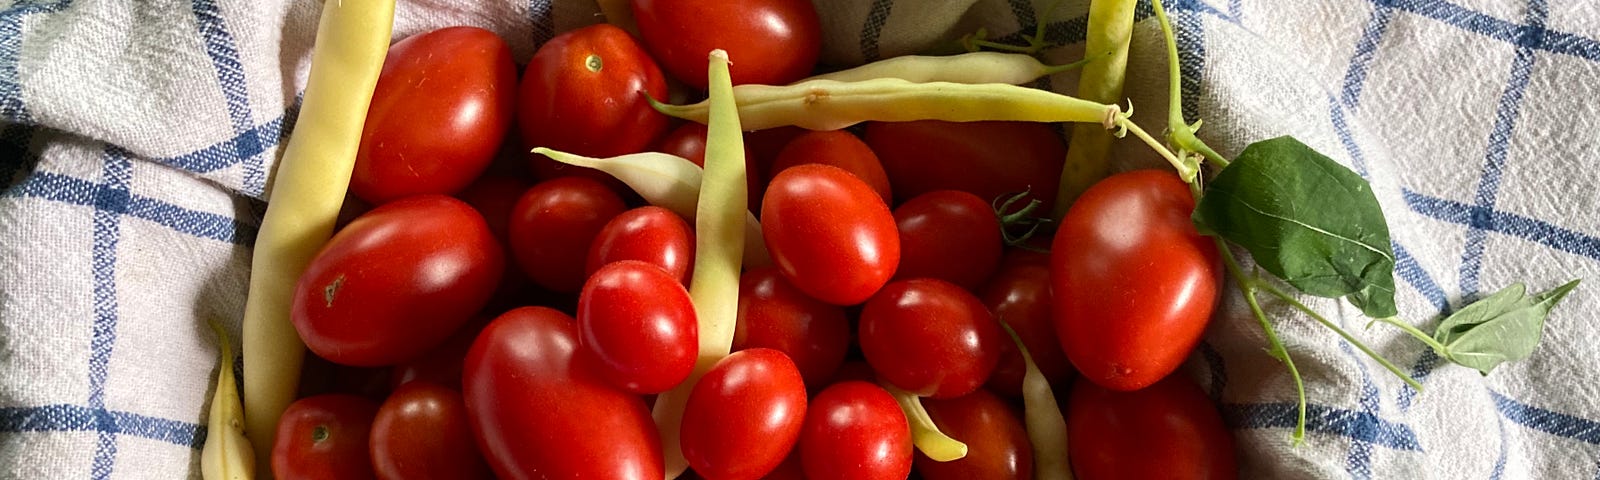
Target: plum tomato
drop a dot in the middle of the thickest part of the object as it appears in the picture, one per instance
(639, 324)
(855, 431)
(1019, 296)
(539, 410)
(493, 196)
(442, 365)
(553, 226)
(324, 437)
(949, 235)
(1169, 430)
(441, 107)
(829, 233)
(744, 416)
(840, 149)
(770, 42)
(929, 337)
(584, 92)
(773, 314)
(397, 281)
(997, 442)
(689, 142)
(929, 155)
(1135, 283)
(649, 234)
(422, 431)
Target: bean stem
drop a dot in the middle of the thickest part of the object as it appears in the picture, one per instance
(1248, 284)
(1274, 291)
(1181, 134)
(1438, 348)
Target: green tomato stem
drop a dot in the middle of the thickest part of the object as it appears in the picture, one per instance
(1342, 333)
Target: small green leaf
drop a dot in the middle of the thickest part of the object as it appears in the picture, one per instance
(1305, 218)
(1504, 327)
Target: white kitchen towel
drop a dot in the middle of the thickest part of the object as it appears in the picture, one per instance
(137, 141)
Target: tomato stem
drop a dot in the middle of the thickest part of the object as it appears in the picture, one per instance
(1342, 333)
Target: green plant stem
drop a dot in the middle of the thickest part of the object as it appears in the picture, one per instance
(1248, 284)
(1179, 133)
(1185, 170)
(1342, 333)
(1438, 348)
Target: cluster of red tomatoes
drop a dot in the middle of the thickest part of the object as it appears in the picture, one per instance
(488, 318)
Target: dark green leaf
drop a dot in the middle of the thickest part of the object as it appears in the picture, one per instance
(1505, 326)
(1305, 218)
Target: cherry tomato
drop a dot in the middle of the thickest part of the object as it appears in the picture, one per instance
(930, 337)
(397, 281)
(829, 233)
(949, 235)
(924, 156)
(771, 42)
(1134, 282)
(442, 365)
(650, 234)
(442, 104)
(639, 322)
(855, 431)
(744, 416)
(773, 314)
(1170, 430)
(689, 141)
(540, 411)
(997, 443)
(765, 145)
(493, 196)
(840, 149)
(553, 226)
(324, 437)
(584, 92)
(422, 431)
(1020, 297)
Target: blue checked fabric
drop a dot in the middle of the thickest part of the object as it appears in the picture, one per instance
(137, 141)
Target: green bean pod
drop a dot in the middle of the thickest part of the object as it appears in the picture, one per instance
(972, 68)
(832, 105)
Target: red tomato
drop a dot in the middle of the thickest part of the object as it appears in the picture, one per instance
(422, 431)
(949, 235)
(442, 365)
(855, 431)
(650, 234)
(540, 411)
(493, 196)
(1134, 282)
(773, 314)
(319, 376)
(324, 437)
(930, 337)
(997, 443)
(439, 111)
(689, 141)
(765, 145)
(397, 281)
(553, 226)
(1167, 431)
(1020, 297)
(639, 322)
(840, 149)
(924, 156)
(584, 92)
(771, 42)
(790, 469)
(744, 416)
(829, 233)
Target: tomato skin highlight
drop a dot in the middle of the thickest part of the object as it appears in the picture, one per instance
(1169, 430)
(324, 437)
(649, 234)
(929, 155)
(1135, 283)
(829, 233)
(553, 226)
(397, 281)
(997, 442)
(772, 42)
(950, 235)
(744, 416)
(930, 337)
(442, 105)
(422, 431)
(638, 322)
(539, 410)
(855, 431)
(774, 314)
(840, 149)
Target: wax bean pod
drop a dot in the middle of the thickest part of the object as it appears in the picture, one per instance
(972, 68)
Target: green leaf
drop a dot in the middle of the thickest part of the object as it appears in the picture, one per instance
(1504, 327)
(1305, 218)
